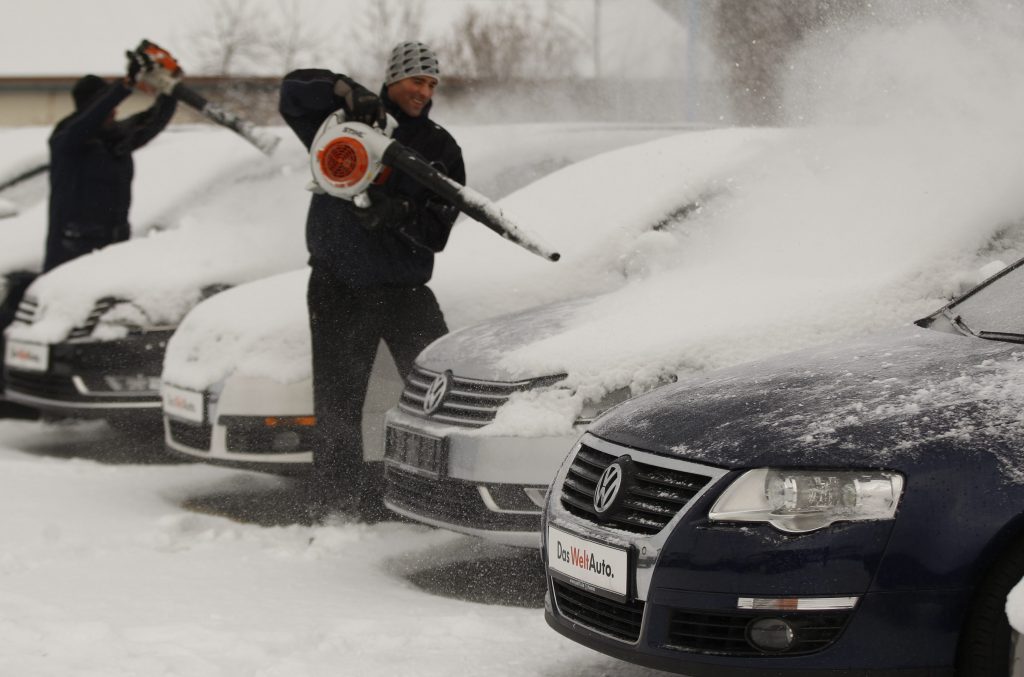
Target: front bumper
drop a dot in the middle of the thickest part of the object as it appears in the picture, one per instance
(490, 487)
(904, 634)
(251, 423)
(94, 379)
(695, 590)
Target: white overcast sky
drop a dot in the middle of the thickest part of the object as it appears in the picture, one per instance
(58, 37)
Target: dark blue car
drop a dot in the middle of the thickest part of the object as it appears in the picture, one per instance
(856, 509)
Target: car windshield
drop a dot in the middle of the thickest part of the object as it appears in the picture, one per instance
(995, 309)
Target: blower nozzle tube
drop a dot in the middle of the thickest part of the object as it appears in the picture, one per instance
(470, 202)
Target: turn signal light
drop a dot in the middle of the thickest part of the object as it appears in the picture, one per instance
(274, 421)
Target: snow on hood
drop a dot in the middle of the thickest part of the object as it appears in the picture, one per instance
(595, 213)
(477, 350)
(205, 350)
(810, 243)
(260, 329)
(874, 402)
(232, 215)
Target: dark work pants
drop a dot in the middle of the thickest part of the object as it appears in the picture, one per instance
(346, 326)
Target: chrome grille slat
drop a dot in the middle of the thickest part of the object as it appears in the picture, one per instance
(455, 406)
(469, 403)
(26, 311)
(28, 308)
(654, 494)
(650, 508)
(99, 308)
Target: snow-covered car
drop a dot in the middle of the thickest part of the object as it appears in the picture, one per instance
(1015, 614)
(22, 225)
(794, 250)
(849, 509)
(237, 379)
(208, 212)
(22, 213)
(260, 415)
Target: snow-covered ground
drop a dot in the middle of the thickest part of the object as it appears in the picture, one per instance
(123, 569)
(910, 188)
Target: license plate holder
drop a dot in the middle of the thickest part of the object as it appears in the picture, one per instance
(26, 356)
(587, 564)
(423, 454)
(189, 405)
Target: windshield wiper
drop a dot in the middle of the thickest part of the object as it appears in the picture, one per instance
(961, 326)
(958, 323)
(1008, 336)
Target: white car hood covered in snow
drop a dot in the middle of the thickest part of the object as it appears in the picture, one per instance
(232, 216)
(260, 330)
(568, 210)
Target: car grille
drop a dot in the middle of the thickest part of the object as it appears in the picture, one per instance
(190, 435)
(98, 310)
(136, 357)
(726, 633)
(653, 498)
(42, 384)
(451, 502)
(470, 402)
(29, 307)
(621, 620)
(26, 311)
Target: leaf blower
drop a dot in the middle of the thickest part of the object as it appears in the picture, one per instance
(163, 74)
(347, 156)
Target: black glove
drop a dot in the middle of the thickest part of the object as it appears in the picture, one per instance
(385, 210)
(138, 63)
(361, 104)
(441, 210)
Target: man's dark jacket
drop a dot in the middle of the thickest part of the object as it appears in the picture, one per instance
(401, 255)
(91, 172)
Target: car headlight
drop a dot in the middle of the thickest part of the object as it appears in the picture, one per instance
(798, 501)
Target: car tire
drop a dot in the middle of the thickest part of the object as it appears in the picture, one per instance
(987, 642)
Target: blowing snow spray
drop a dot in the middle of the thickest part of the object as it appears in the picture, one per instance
(346, 157)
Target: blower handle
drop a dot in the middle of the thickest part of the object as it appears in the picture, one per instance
(470, 202)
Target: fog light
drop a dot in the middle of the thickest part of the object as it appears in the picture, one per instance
(286, 440)
(132, 383)
(770, 634)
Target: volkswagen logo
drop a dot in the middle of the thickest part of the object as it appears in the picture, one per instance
(436, 393)
(609, 492)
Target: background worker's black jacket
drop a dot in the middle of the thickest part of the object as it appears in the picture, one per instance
(91, 172)
(399, 255)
